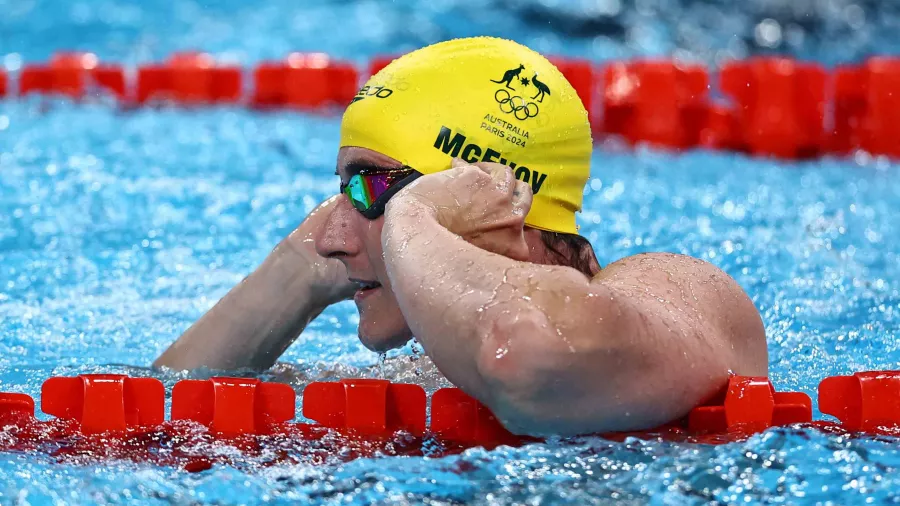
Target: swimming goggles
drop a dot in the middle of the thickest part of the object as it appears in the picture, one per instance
(370, 190)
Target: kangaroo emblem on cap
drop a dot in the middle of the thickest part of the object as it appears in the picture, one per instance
(509, 75)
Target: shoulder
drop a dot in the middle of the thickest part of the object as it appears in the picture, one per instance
(663, 266)
(694, 297)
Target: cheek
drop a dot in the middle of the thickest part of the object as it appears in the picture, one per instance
(374, 250)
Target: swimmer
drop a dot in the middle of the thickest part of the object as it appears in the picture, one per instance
(455, 223)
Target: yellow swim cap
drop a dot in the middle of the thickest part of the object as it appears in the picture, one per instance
(481, 99)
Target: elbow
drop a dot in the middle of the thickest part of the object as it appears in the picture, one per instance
(523, 374)
(538, 382)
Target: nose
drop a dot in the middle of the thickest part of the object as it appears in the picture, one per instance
(336, 238)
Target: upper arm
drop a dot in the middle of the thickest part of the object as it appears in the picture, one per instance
(700, 309)
(696, 327)
(642, 343)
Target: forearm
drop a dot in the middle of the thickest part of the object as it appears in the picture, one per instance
(545, 348)
(468, 306)
(256, 321)
(542, 346)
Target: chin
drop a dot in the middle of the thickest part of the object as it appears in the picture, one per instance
(382, 340)
(382, 326)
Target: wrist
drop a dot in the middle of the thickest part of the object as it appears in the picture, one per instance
(408, 206)
(403, 221)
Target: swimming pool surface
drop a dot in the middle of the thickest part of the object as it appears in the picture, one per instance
(118, 229)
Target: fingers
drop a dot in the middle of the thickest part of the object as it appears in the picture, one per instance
(498, 172)
(522, 196)
(519, 191)
(494, 169)
(491, 168)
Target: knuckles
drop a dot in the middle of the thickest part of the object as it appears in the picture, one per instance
(492, 180)
(485, 173)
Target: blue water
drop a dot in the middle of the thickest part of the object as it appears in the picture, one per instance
(119, 229)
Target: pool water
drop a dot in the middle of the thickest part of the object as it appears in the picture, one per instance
(118, 229)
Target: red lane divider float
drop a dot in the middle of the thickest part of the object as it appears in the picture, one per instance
(580, 74)
(304, 81)
(866, 107)
(751, 405)
(232, 406)
(866, 401)
(74, 75)
(772, 106)
(105, 402)
(380, 62)
(191, 79)
(16, 405)
(368, 406)
(655, 102)
(780, 106)
(457, 417)
(114, 416)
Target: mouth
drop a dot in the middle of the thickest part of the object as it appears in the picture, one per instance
(365, 287)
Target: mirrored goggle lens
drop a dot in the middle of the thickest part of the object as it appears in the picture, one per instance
(364, 190)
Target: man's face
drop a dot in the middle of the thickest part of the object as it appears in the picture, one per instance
(356, 241)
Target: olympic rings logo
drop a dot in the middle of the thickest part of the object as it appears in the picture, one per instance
(515, 105)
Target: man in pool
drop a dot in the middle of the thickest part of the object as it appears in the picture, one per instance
(462, 166)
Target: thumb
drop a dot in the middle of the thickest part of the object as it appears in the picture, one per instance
(457, 162)
(518, 248)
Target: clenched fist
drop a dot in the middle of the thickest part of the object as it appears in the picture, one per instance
(483, 203)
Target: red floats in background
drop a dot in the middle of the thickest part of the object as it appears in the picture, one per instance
(189, 78)
(780, 106)
(866, 401)
(305, 81)
(74, 75)
(232, 406)
(368, 406)
(580, 74)
(722, 130)
(866, 107)
(777, 106)
(105, 402)
(657, 102)
(380, 62)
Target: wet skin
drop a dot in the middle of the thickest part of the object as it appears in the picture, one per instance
(545, 348)
(648, 338)
(348, 236)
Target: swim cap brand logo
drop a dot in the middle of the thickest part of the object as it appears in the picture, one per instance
(515, 104)
(372, 91)
(455, 145)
